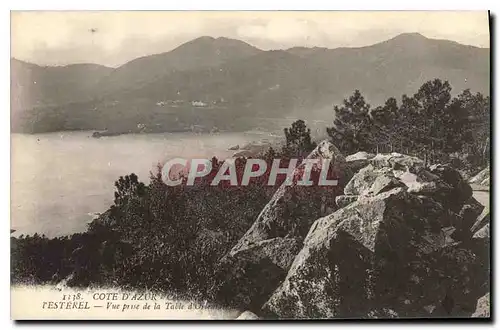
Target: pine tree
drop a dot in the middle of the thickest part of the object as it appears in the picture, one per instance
(433, 98)
(351, 131)
(384, 119)
(298, 140)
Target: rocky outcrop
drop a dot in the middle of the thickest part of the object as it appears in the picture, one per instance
(484, 232)
(344, 200)
(482, 178)
(383, 183)
(260, 260)
(371, 180)
(250, 274)
(358, 160)
(392, 250)
(273, 220)
(362, 181)
(482, 220)
(480, 244)
(400, 244)
(460, 191)
(471, 211)
(483, 307)
(397, 161)
(385, 172)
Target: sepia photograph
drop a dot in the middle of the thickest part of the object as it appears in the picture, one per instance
(250, 165)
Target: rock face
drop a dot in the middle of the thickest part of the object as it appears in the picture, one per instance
(260, 260)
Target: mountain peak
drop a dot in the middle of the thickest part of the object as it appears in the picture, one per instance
(409, 40)
(209, 41)
(203, 38)
(411, 36)
(225, 39)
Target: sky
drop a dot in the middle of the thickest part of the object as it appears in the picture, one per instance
(112, 38)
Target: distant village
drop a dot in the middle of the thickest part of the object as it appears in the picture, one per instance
(195, 103)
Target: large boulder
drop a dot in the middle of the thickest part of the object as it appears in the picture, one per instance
(483, 232)
(390, 165)
(482, 220)
(344, 200)
(259, 261)
(441, 182)
(385, 182)
(388, 171)
(397, 161)
(460, 192)
(358, 160)
(278, 218)
(249, 275)
(386, 254)
(423, 183)
(362, 181)
(470, 212)
(480, 245)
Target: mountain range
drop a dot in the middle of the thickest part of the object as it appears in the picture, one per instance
(229, 84)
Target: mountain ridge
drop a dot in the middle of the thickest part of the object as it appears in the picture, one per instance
(229, 73)
(404, 34)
